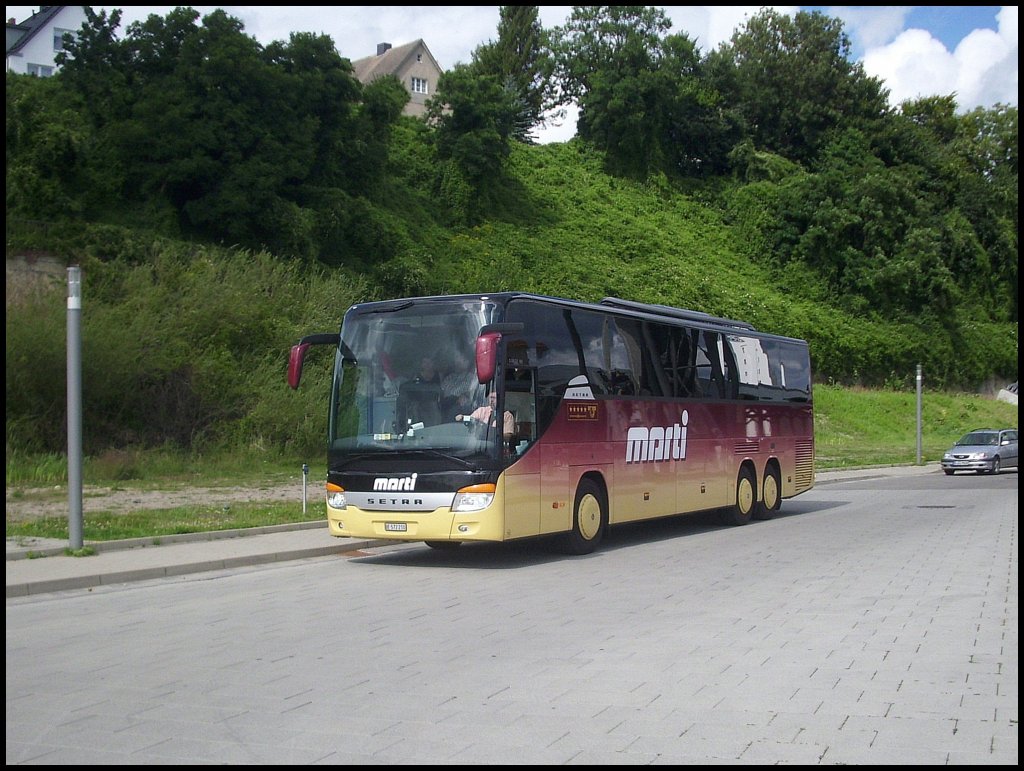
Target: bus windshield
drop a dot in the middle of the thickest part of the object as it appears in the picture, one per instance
(405, 381)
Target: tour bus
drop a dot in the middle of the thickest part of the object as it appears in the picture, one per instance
(604, 413)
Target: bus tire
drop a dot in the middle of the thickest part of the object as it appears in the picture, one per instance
(589, 519)
(746, 498)
(771, 494)
(443, 545)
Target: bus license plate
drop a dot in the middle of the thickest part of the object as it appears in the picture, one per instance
(395, 527)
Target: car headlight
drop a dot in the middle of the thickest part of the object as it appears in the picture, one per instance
(979, 456)
(473, 498)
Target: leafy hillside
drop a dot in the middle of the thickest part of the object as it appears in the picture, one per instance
(563, 226)
(184, 345)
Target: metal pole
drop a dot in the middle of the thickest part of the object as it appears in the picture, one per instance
(74, 385)
(305, 475)
(918, 414)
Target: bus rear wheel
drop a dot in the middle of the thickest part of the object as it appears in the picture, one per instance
(771, 495)
(589, 519)
(746, 499)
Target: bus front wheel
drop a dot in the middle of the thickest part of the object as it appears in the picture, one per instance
(746, 498)
(589, 519)
(443, 545)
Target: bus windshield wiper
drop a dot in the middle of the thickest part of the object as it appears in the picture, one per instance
(349, 458)
(435, 454)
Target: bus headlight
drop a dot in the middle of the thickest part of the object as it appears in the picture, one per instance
(335, 496)
(473, 498)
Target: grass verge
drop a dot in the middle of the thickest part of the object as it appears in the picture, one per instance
(153, 523)
(853, 428)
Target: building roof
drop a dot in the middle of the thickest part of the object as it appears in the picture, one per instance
(389, 62)
(31, 26)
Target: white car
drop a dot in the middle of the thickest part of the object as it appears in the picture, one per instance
(983, 451)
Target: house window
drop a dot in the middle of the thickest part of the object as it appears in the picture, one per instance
(39, 70)
(58, 37)
(419, 86)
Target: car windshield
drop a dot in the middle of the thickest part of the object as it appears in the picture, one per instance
(980, 438)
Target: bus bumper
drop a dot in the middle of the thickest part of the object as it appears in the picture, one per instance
(437, 525)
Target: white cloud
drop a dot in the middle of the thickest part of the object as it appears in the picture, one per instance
(871, 26)
(912, 65)
(981, 71)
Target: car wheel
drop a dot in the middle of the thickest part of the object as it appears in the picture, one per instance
(995, 465)
(948, 472)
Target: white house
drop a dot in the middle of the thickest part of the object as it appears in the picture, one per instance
(33, 43)
(412, 64)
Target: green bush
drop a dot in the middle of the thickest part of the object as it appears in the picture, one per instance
(187, 350)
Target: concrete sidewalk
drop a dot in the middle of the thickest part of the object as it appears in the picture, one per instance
(38, 566)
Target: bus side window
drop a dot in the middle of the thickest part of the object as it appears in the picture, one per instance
(620, 383)
(730, 368)
(618, 356)
(709, 369)
(519, 400)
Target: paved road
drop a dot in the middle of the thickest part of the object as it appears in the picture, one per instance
(875, 621)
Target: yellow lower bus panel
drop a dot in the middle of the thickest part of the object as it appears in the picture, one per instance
(441, 524)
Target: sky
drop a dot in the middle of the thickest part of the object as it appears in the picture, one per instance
(916, 50)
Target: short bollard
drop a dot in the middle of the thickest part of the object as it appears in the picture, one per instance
(305, 476)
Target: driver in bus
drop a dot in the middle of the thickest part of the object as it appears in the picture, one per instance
(485, 416)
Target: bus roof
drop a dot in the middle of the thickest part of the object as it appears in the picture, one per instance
(676, 313)
(614, 305)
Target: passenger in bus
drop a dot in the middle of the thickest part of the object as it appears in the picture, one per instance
(459, 385)
(428, 372)
(485, 416)
(387, 380)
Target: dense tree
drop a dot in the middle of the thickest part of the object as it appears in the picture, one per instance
(474, 117)
(99, 67)
(327, 97)
(967, 167)
(519, 61)
(250, 137)
(607, 60)
(700, 127)
(644, 97)
(986, 142)
(46, 141)
(794, 83)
